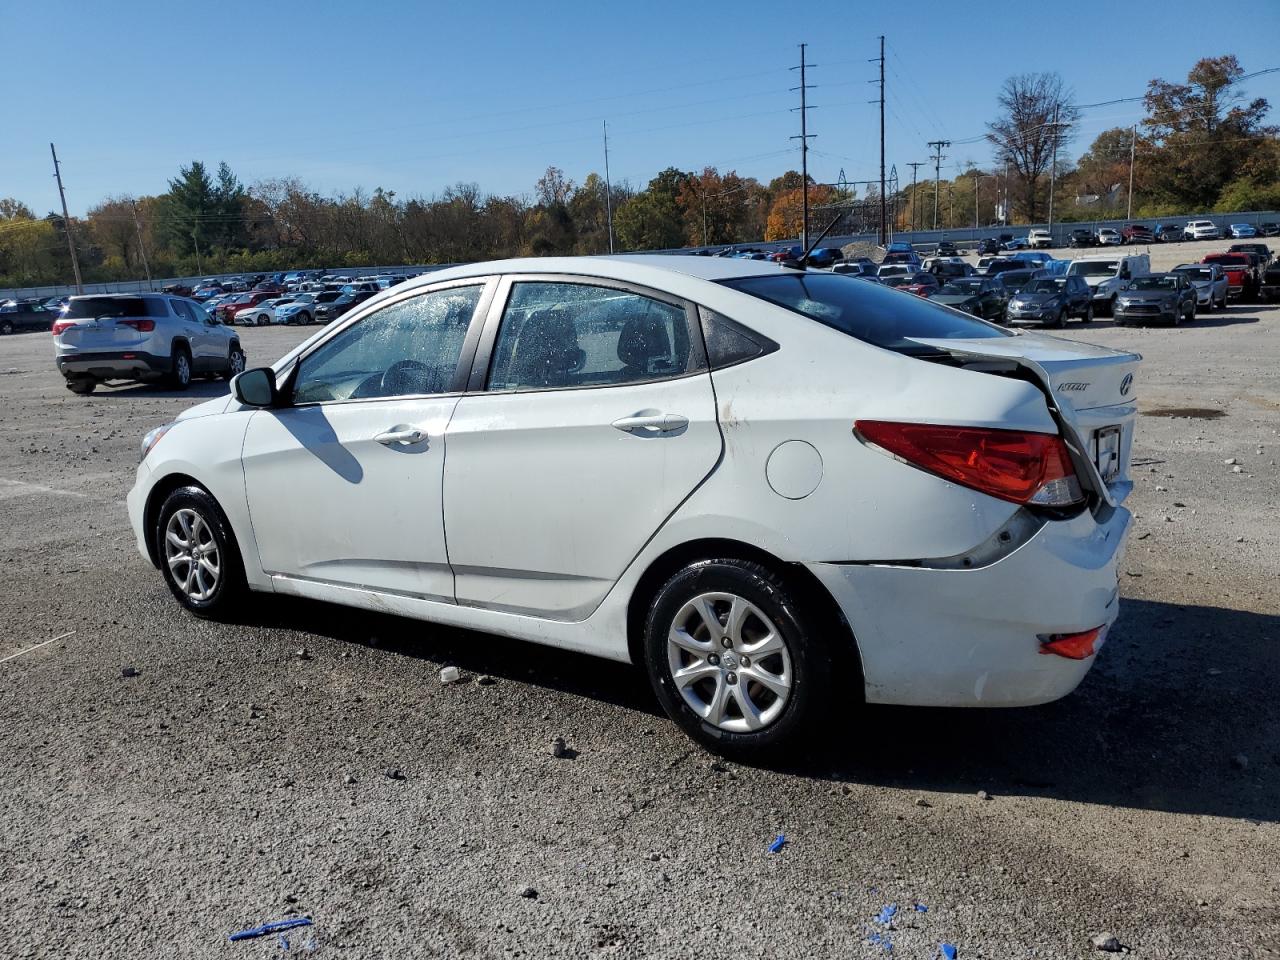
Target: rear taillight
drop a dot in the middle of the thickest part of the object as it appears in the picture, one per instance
(1073, 646)
(142, 326)
(60, 325)
(1013, 465)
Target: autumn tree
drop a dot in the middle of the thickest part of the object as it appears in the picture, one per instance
(1037, 114)
(1206, 135)
(787, 213)
(653, 219)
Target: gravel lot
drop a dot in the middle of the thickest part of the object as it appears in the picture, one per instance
(232, 781)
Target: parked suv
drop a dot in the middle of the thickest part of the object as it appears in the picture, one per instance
(1051, 301)
(24, 315)
(141, 337)
(1107, 275)
(1201, 230)
(1137, 233)
(1039, 239)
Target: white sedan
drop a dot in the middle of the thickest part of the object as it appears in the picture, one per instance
(775, 490)
(264, 313)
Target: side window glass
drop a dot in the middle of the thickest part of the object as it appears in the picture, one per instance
(556, 335)
(157, 306)
(729, 342)
(409, 348)
(183, 310)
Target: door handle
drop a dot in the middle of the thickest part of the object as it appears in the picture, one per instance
(404, 437)
(652, 423)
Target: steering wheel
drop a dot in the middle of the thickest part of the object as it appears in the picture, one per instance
(405, 376)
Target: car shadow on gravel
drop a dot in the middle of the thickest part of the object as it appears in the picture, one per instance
(1177, 716)
(199, 390)
(1202, 321)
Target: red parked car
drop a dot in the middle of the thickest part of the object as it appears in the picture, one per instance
(1137, 233)
(226, 312)
(270, 288)
(1239, 270)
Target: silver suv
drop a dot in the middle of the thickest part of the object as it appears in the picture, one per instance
(147, 336)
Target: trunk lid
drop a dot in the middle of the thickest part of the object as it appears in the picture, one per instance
(1090, 388)
(102, 333)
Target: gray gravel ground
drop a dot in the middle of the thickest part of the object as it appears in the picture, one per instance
(232, 782)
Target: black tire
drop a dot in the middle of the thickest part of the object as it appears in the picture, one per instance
(235, 361)
(1088, 314)
(82, 385)
(1111, 306)
(6, 327)
(180, 377)
(1061, 320)
(229, 591)
(305, 319)
(795, 622)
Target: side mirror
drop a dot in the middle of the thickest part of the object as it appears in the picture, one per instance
(256, 387)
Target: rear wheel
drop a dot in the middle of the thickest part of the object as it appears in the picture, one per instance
(6, 327)
(181, 375)
(198, 554)
(82, 385)
(733, 657)
(305, 318)
(1088, 314)
(1061, 320)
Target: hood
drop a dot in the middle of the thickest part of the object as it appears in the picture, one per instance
(207, 409)
(1039, 296)
(953, 298)
(1148, 296)
(1098, 279)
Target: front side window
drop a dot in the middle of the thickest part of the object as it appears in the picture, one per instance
(409, 348)
(556, 335)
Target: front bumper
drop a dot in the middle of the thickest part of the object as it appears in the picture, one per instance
(1146, 312)
(136, 503)
(113, 365)
(970, 638)
(1031, 315)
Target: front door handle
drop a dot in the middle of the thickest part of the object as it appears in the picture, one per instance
(401, 436)
(652, 423)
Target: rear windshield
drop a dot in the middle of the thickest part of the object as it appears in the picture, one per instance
(86, 308)
(1230, 259)
(869, 312)
(1154, 283)
(1195, 273)
(1093, 268)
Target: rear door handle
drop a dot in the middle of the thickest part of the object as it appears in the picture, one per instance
(403, 436)
(652, 423)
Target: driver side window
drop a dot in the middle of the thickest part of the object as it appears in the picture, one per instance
(410, 348)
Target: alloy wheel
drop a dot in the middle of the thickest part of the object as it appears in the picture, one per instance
(729, 662)
(182, 369)
(237, 362)
(192, 554)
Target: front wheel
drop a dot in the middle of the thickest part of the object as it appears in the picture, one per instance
(305, 319)
(1061, 320)
(198, 554)
(733, 659)
(1088, 314)
(6, 327)
(181, 376)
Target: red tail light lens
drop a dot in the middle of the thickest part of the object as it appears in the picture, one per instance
(1073, 646)
(1013, 465)
(142, 326)
(61, 325)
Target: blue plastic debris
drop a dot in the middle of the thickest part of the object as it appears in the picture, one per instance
(272, 927)
(778, 843)
(921, 908)
(283, 941)
(948, 951)
(887, 914)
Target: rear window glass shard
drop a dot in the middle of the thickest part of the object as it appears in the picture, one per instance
(872, 313)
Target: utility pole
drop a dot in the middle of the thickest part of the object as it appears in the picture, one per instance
(1004, 211)
(66, 222)
(196, 241)
(608, 190)
(937, 174)
(141, 246)
(914, 166)
(804, 150)
(883, 199)
(1053, 170)
(1133, 149)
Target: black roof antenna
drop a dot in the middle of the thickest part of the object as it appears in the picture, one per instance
(804, 257)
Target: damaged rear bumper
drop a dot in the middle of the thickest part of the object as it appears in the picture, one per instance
(971, 637)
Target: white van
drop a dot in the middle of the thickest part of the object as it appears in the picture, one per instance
(1106, 276)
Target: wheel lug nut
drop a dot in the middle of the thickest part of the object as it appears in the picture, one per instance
(713, 660)
(732, 678)
(726, 642)
(746, 661)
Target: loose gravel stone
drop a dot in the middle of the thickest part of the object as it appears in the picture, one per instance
(529, 893)
(450, 675)
(1107, 941)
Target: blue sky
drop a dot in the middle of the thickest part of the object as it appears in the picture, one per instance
(416, 96)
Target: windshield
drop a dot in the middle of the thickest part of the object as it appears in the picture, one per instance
(1154, 283)
(1195, 273)
(86, 308)
(866, 311)
(1093, 268)
(965, 287)
(327, 297)
(1044, 285)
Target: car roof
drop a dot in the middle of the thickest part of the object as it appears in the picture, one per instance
(639, 267)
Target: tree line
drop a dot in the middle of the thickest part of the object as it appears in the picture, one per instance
(1200, 147)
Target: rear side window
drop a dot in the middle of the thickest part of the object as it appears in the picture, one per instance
(557, 334)
(869, 312)
(729, 342)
